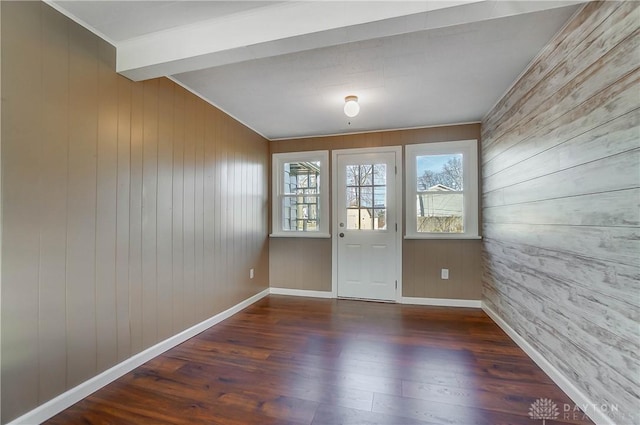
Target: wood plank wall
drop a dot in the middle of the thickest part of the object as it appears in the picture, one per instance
(561, 197)
(0, 210)
(422, 259)
(131, 211)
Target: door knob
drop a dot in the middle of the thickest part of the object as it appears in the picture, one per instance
(341, 235)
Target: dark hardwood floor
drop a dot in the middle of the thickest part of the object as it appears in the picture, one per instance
(287, 360)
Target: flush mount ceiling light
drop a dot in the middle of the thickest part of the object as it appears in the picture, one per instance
(351, 107)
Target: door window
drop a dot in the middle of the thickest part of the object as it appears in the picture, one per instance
(366, 196)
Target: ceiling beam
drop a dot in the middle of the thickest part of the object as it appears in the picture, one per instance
(261, 32)
(291, 27)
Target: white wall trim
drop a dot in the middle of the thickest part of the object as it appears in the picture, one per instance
(72, 396)
(301, 293)
(381, 130)
(574, 393)
(443, 302)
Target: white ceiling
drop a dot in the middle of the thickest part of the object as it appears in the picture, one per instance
(122, 20)
(284, 68)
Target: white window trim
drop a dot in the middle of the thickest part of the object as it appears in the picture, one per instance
(278, 161)
(468, 148)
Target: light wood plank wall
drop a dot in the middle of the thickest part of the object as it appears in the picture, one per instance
(131, 211)
(291, 259)
(0, 210)
(561, 197)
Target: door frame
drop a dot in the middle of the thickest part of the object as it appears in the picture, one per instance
(397, 150)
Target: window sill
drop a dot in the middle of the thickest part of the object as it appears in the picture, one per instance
(443, 237)
(301, 235)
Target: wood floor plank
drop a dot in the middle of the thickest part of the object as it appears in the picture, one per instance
(328, 414)
(288, 360)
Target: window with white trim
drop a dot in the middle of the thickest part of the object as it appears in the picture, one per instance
(442, 190)
(300, 189)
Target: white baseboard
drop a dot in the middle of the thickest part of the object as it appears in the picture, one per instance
(74, 395)
(444, 302)
(301, 293)
(574, 393)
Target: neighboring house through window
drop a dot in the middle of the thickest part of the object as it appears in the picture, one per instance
(442, 190)
(300, 193)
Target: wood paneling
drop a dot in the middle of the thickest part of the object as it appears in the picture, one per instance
(135, 219)
(81, 205)
(20, 205)
(149, 212)
(309, 268)
(290, 259)
(106, 198)
(164, 201)
(123, 217)
(55, 115)
(112, 195)
(426, 258)
(561, 198)
(570, 71)
(0, 208)
(177, 181)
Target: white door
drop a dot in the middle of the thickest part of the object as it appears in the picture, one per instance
(366, 223)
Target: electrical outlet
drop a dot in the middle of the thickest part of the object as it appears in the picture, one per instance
(250, 273)
(444, 274)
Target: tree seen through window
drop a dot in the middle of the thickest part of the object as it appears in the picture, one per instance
(440, 196)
